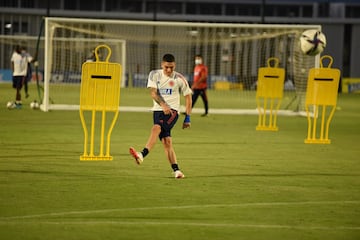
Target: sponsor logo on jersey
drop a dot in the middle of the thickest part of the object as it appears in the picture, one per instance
(166, 91)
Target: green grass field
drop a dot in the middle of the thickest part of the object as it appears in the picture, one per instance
(240, 183)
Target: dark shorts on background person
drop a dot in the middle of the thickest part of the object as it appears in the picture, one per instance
(18, 82)
(166, 122)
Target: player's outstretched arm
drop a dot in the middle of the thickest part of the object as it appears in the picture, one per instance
(188, 103)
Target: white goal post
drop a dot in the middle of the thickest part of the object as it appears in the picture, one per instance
(233, 53)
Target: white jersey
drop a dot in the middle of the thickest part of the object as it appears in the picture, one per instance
(169, 88)
(20, 64)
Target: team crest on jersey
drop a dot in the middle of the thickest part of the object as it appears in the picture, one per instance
(171, 83)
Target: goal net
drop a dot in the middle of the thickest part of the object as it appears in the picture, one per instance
(232, 52)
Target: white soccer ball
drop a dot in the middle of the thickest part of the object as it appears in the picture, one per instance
(34, 105)
(312, 42)
(10, 105)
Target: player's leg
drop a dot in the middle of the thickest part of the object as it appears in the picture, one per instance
(205, 100)
(154, 135)
(165, 137)
(195, 96)
(26, 88)
(27, 80)
(18, 82)
(169, 150)
(171, 156)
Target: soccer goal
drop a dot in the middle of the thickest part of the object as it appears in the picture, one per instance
(232, 52)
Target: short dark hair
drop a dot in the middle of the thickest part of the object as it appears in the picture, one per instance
(17, 48)
(199, 55)
(168, 58)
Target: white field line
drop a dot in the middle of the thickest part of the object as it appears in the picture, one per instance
(237, 205)
(182, 223)
(182, 109)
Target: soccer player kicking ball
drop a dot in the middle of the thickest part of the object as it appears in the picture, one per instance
(166, 85)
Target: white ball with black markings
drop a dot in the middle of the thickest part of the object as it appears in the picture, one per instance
(34, 105)
(10, 105)
(312, 42)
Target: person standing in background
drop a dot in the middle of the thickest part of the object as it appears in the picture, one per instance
(19, 69)
(199, 85)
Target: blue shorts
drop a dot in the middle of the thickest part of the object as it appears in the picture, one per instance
(18, 82)
(166, 122)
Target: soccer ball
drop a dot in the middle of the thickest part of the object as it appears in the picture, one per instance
(10, 105)
(34, 105)
(312, 42)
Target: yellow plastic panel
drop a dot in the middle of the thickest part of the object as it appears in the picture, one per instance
(99, 93)
(269, 94)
